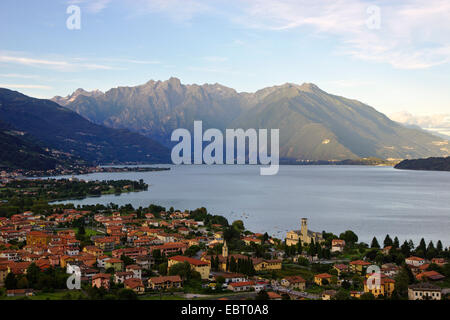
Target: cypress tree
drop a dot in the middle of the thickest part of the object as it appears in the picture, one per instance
(396, 243)
(387, 241)
(375, 243)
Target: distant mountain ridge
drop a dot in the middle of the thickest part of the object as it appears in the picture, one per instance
(56, 127)
(314, 125)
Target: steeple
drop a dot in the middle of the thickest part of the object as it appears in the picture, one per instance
(225, 250)
(304, 229)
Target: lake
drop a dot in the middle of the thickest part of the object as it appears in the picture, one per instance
(372, 201)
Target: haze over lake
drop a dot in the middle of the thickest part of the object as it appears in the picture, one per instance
(372, 201)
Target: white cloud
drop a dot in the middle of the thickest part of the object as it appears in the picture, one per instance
(413, 34)
(54, 64)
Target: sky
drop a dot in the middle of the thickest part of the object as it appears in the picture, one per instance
(392, 55)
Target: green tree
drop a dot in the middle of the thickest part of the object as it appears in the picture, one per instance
(375, 243)
(396, 243)
(349, 236)
(388, 241)
(11, 281)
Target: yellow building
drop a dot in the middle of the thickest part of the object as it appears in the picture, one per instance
(358, 266)
(97, 252)
(264, 264)
(385, 288)
(38, 238)
(319, 279)
(114, 263)
(294, 282)
(304, 235)
(202, 267)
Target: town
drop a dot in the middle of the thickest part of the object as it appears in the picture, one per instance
(156, 253)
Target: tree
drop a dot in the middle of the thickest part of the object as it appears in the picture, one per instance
(349, 236)
(192, 251)
(396, 243)
(183, 269)
(375, 243)
(238, 225)
(439, 247)
(421, 248)
(33, 273)
(162, 268)
(405, 249)
(11, 281)
(342, 295)
(126, 260)
(388, 241)
(22, 283)
(266, 238)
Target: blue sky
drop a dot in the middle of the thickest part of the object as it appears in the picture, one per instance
(392, 55)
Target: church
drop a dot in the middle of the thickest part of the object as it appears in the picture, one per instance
(304, 235)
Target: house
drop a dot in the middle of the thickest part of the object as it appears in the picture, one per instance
(424, 291)
(430, 275)
(439, 261)
(101, 280)
(358, 266)
(341, 268)
(249, 240)
(260, 285)
(241, 286)
(120, 277)
(230, 277)
(105, 243)
(328, 294)
(164, 283)
(101, 261)
(266, 264)
(145, 261)
(322, 279)
(137, 271)
(386, 250)
(304, 235)
(135, 284)
(337, 245)
(389, 269)
(414, 261)
(385, 287)
(294, 282)
(114, 263)
(38, 238)
(200, 266)
(93, 250)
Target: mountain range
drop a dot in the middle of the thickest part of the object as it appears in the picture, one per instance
(314, 125)
(43, 124)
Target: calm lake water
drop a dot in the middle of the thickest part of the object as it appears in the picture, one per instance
(372, 201)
